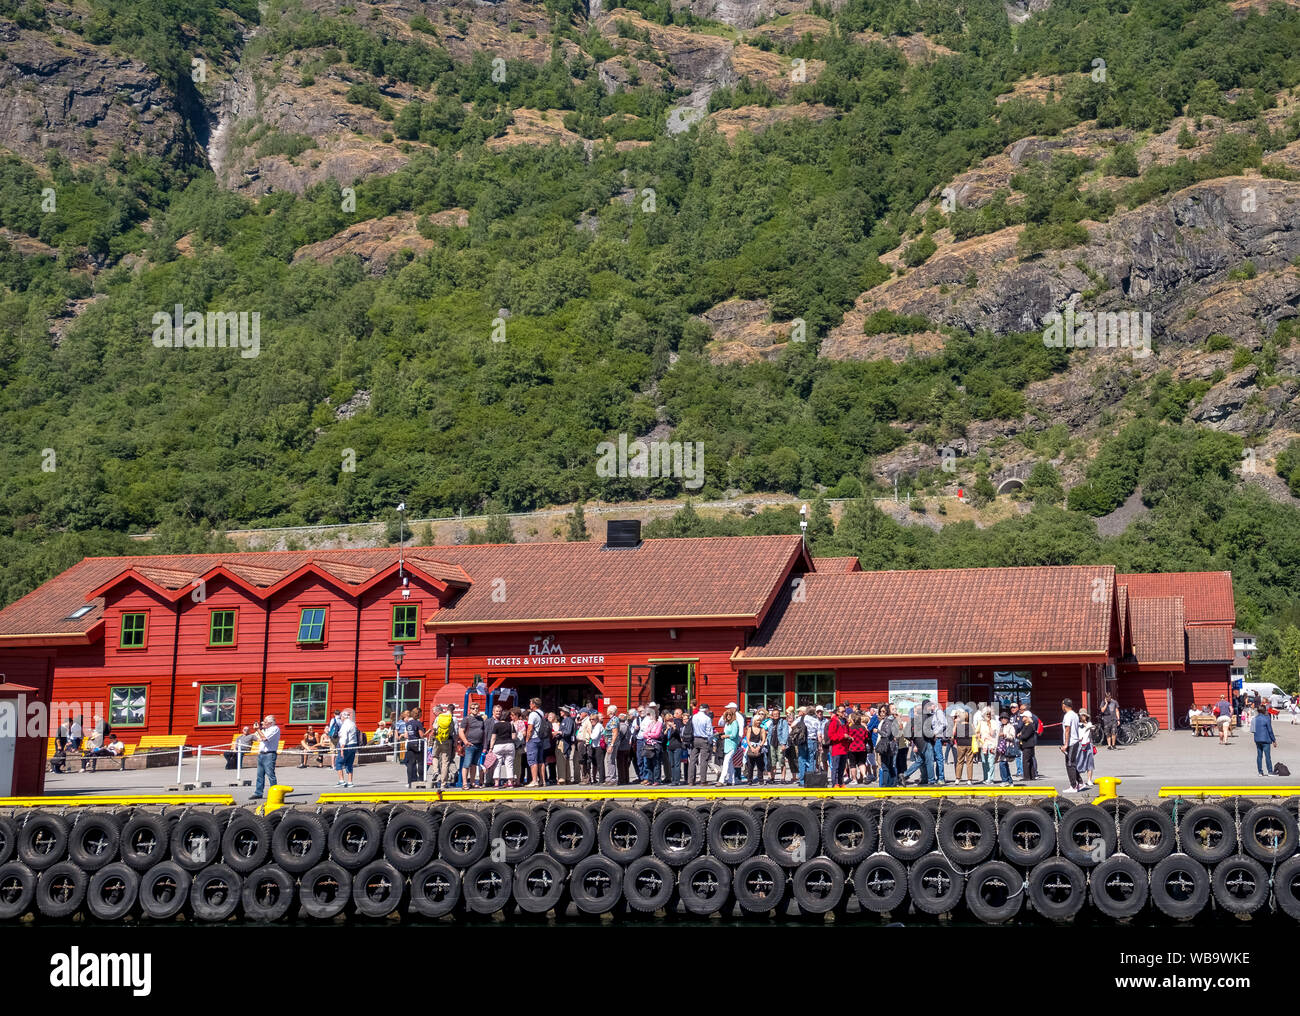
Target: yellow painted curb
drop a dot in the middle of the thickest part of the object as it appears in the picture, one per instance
(1269, 791)
(626, 793)
(117, 800)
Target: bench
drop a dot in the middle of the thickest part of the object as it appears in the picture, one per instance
(127, 751)
(1209, 726)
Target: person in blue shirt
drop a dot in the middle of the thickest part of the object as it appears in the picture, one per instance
(1264, 739)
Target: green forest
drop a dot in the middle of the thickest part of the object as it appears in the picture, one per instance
(107, 435)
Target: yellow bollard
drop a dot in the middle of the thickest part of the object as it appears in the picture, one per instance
(1108, 785)
(274, 799)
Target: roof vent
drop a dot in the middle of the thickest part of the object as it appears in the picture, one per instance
(622, 534)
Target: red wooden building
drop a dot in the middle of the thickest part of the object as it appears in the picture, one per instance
(202, 644)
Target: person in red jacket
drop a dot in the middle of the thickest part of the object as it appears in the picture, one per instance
(837, 734)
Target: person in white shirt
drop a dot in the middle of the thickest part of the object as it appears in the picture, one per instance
(347, 743)
(1070, 744)
(268, 737)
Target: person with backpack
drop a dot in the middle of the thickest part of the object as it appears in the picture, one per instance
(887, 736)
(803, 739)
(443, 735)
(1109, 720)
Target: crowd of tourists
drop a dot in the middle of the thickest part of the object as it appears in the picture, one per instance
(822, 745)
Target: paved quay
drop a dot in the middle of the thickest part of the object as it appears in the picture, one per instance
(1171, 758)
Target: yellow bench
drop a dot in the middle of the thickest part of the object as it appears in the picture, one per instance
(162, 741)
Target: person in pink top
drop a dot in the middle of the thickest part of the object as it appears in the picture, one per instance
(652, 729)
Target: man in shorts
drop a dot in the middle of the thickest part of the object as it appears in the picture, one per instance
(539, 733)
(1224, 709)
(1110, 720)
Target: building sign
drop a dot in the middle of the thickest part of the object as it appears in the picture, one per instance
(544, 651)
(904, 696)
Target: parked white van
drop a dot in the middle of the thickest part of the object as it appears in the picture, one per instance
(1271, 693)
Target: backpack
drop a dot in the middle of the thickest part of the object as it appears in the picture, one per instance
(798, 734)
(1040, 726)
(332, 731)
(1280, 770)
(442, 730)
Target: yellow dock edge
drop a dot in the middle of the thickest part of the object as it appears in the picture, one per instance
(113, 800)
(1206, 791)
(671, 793)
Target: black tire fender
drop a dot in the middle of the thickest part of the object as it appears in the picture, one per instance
(570, 835)
(435, 890)
(61, 889)
(995, 892)
(515, 834)
(759, 883)
(907, 831)
(355, 838)
(94, 839)
(704, 885)
(215, 892)
(735, 833)
(112, 891)
(196, 840)
(462, 838)
(676, 837)
(880, 883)
(1057, 888)
(145, 839)
(17, 889)
(1026, 835)
(164, 890)
(378, 889)
(1147, 834)
(791, 835)
(596, 884)
(1268, 833)
(42, 840)
(1240, 884)
(299, 842)
(1286, 887)
(848, 835)
(967, 834)
(648, 884)
(267, 894)
(624, 834)
(1118, 886)
(325, 890)
(935, 885)
(246, 842)
(1180, 886)
(410, 839)
(1087, 835)
(1207, 833)
(817, 885)
(8, 838)
(539, 883)
(488, 886)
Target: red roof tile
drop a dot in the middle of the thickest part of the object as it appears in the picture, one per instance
(714, 577)
(544, 581)
(837, 564)
(964, 611)
(1209, 643)
(1158, 630)
(1207, 596)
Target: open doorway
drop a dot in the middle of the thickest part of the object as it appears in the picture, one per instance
(671, 684)
(571, 691)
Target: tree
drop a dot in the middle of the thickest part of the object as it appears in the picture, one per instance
(498, 530)
(578, 524)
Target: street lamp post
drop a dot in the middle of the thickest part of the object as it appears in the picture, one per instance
(399, 654)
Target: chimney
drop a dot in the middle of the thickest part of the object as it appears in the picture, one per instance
(622, 534)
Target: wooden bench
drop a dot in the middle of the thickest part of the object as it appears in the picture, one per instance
(127, 751)
(1209, 726)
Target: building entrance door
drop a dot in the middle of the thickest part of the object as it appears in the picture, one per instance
(673, 685)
